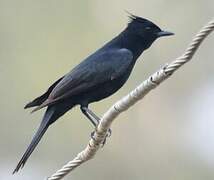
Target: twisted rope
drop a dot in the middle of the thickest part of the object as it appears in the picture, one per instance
(130, 99)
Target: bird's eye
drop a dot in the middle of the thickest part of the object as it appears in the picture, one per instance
(148, 28)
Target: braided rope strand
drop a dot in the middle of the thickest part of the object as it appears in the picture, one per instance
(191, 49)
(130, 99)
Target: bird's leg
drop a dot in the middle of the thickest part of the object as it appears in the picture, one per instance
(91, 116)
(91, 113)
(94, 119)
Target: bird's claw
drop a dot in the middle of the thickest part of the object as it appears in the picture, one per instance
(92, 135)
(107, 135)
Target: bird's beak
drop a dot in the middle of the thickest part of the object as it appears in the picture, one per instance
(164, 33)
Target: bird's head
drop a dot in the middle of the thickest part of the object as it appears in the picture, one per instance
(146, 30)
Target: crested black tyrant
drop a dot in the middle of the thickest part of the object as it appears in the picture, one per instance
(97, 77)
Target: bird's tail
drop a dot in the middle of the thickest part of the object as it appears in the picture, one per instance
(37, 137)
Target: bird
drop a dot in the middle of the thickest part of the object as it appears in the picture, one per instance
(98, 76)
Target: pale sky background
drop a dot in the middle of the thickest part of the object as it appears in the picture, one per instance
(167, 136)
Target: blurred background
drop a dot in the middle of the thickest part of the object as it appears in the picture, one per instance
(169, 135)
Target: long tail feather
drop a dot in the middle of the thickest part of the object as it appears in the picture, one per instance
(37, 137)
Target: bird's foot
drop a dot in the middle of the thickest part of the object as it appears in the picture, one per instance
(107, 135)
(92, 135)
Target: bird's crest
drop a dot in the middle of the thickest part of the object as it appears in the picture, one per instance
(134, 18)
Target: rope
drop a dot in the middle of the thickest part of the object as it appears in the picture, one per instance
(130, 99)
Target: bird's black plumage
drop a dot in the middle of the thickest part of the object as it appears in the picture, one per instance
(97, 77)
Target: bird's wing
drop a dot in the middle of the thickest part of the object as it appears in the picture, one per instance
(39, 100)
(94, 71)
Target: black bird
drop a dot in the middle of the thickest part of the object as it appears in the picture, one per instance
(97, 77)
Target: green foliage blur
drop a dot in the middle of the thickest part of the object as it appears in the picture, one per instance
(167, 136)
